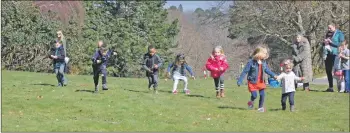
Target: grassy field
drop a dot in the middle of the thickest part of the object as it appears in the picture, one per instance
(32, 102)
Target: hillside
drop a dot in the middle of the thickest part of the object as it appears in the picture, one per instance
(31, 102)
(197, 41)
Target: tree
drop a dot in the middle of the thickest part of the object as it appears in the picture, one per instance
(199, 12)
(172, 8)
(281, 20)
(180, 8)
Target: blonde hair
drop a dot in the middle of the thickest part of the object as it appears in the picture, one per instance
(260, 52)
(220, 48)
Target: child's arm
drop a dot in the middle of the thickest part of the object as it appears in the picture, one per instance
(297, 78)
(160, 61)
(144, 66)
(244, 72)
(269, 72)
(279, 77)
(209, 65)
(225, 64)
(95, 56)
(170, 66)
(189, 69)
(346, 56)
(62, 55)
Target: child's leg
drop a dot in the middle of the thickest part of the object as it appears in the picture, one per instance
(150, 81)
(185, 82)
(176, 82)
(96, 76)
(57, 76)
(221, 82)
(291, 98)
(347, 80)
(216, 83)
(253, 96)
(262, 98)
(306, 86)
(60, 73)
(104, 78)
(155, 81)
(283, 100)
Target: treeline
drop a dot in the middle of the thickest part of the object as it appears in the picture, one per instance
(27, 35)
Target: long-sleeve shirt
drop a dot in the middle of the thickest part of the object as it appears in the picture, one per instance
(149, 61)
(104, 59)
(288, 81)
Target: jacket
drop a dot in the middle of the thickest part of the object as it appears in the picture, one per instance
(104, 59)
(252, 68)
(181, 69)
(215, 63)
(149, 61)
(59, 52)
(337, 39)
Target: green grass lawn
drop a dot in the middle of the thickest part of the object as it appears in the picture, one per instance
(129, 106)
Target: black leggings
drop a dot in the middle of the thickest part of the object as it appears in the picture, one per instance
(219, 83)
(329, 63)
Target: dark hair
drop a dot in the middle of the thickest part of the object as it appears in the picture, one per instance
(150, 47)
(180, 57)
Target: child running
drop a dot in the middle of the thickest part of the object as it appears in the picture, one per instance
(217, 65)
(288, 88)
(255, 69)
(151, 63)
(178, 72)
(58, 62)
(100, 60)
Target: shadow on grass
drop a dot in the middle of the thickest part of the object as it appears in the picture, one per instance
(229, 107)
(137, 91)
(165, 91)
(278, 109)
(91, 91)
(197, 96)
(44, 84)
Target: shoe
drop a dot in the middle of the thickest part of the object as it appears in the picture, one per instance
(307, 89)
(261, 109)
(187, 92)
(283, 107)
(250, 104)
(175, 92)
(59, 85)
(155, 91)
(222, 93)
(104, 87)
(329, 90)
(292, 108)
(217, 94)
(96, 91)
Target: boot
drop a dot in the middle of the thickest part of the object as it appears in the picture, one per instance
(222, 93)
(217, 94)
(292, 108)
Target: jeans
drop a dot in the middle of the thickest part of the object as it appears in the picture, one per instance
(262, 97)
(347, 80)
(59, 71)
(290, 95)
(97, 70)
(329, 63)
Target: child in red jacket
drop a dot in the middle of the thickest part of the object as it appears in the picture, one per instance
(217, 65)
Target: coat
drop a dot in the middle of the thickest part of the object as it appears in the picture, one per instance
(302, 60)
(216, 63)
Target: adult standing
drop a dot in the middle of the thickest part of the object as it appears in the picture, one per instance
(334, 38)
(302, 60)
(60, 37)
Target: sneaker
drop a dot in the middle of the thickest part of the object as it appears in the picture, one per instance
(222, 93)
(341, 91)
(250, 105)
(329, 90)
(104, 87)
(59, 85)
(187, 92)
(292, 108)
(217, 94)
(261, 109)
(283, 107)
(155, 91)
(175, 92)
(96, 91)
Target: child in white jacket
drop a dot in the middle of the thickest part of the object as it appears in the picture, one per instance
(288, 88)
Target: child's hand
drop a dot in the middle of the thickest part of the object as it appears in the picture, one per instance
(275, 77)
(216, 69)
(302, 78)
(53, 56)
(155, 66)
(98, 61)
(221, 69)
